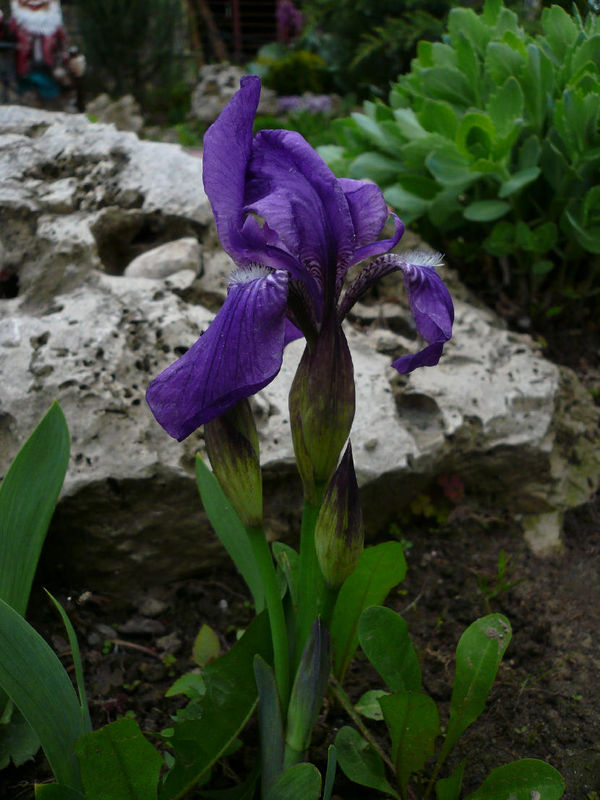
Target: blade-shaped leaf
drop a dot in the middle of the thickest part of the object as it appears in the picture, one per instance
(229, 529)
(521, 780)
(226, 706)
(270, 724)
(28, 495)
(330, 774)
(449, 788)
(380, 569)
(50, 705)
(300, 782)
(383, 636)
(118, 763)
(360, 762)
(74, 644)
(478, 656)
(414, 724)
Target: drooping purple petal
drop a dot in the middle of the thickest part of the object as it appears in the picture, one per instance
(291, 187)
(240, 352)
(431, 306)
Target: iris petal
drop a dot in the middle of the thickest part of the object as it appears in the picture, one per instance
(432, 308)
(238, 355)
(291, 187)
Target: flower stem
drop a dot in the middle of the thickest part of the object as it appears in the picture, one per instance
(345, 702)
(262, 554)
(310, 579)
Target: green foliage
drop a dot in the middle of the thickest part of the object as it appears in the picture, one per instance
(129, 43)
(493, 139)
(291, 71)
(28, 495)
(366, 44)
(412, 719)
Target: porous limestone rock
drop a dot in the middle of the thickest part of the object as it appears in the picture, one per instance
(78, 202)
(76, 196)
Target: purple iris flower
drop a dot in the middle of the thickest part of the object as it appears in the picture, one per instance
(293, 229)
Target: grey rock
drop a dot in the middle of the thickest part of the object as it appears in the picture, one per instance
(124, 113)
(217, 83)
(162, 261)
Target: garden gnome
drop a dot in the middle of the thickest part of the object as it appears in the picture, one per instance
(45, 63)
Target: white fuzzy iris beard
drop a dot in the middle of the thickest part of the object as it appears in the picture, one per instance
(38, 21)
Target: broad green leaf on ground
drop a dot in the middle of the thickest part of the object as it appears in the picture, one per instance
(383, 636)
(486, 210)
(478, 656)
(225, 707)
(18, 741)
(368, 704)
(521, 780)
(414, 724)
(380, 569)
(50, 706)
(118, 763)
(206, 646)
(360, 762)
(230, 530)
(300, 782)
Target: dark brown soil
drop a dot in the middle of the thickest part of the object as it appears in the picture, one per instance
(545, 703)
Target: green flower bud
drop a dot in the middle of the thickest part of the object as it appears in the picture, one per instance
(339, 533)
(322, 407)
(232, 446)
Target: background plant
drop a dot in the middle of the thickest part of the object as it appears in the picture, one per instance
(492, 142)
(129, 43)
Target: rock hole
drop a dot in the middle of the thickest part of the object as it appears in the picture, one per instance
(9, 284)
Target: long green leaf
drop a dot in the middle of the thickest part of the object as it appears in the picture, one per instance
(56, 791)
(229, 529)
(74, 644)
(380, 569)
(521, 780)
(118, 763)
(28, 495)
(270, 724)
(33, 677)
(225, 707)
(383, 636)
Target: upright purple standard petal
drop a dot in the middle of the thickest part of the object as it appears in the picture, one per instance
(432, 308)
(239, 354)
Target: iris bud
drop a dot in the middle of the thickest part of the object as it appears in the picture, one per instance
(232, 447)
(308, 691)
(322, 407)
(339, 533)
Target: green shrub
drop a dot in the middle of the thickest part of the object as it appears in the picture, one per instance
(491, 146)
(366, 44)
(289, 71)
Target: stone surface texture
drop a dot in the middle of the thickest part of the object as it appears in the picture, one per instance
(82, 204)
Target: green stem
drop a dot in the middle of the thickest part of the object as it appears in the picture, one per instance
(345, 702)
(310, 578)
(262, 554)
(330, 594)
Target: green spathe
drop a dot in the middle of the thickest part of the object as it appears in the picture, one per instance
(232, 446)
(339, 533)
